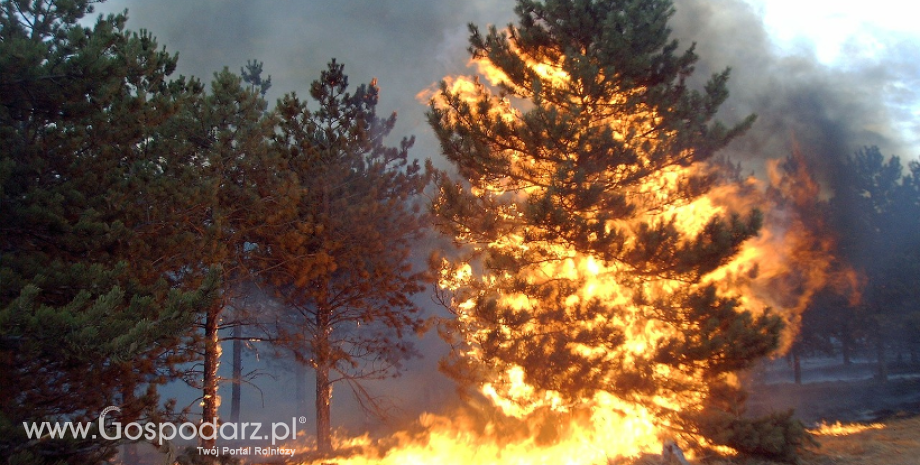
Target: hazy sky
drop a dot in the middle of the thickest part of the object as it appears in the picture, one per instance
(847, 36)
(838, 30)
(832, 75)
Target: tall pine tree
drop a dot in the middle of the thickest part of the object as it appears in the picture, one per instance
(338, 253)
(234, 194)
(875, 208)
(586, 272)
(93, 303)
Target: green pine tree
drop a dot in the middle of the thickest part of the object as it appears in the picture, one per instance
(574, 169)
(94, 304)
(875, 208)
(235, 191)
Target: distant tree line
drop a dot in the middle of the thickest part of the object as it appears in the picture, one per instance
(874, 213)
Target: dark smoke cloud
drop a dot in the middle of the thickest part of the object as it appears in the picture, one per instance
(407, 45)
(411, 44)
(828, 112)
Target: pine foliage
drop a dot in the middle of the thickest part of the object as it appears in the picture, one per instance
(589, 141)
(338, 251)
(90, 315)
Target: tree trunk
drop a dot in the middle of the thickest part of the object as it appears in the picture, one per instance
(236, 389)
(129, 450)
(323, 414)
(210, 401)
(323, 355)
(882, 361)
(323, 362)
(796, 366)
(846, 346)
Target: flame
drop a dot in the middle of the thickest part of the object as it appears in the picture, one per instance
(844, 429)
(779, 271)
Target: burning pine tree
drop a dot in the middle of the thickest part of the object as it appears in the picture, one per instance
(608, 270)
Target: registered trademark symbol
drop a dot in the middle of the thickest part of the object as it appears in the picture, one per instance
(302, 420)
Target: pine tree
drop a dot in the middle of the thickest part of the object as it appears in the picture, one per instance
(875, 208)
(338, 252)
(251, 75)
(235, 190)
(93, 302)
(909, 205)
(586, 274)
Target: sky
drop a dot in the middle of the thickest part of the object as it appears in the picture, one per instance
(848, 36)
(837, 29)
(826, 76)
(832, 75)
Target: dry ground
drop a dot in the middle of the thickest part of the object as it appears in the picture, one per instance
(896, 442)
(893, 442)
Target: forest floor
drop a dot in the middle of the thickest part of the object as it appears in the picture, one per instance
(881, 421)
(835, 393)
(893, 442)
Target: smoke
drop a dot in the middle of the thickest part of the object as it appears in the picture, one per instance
(829, 112)
(408, 45)
(411, 44)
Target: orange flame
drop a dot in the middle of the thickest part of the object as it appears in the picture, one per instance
(844, 429)
(779, 270)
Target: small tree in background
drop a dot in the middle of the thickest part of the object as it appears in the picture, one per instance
(243, 314)
(337, 252)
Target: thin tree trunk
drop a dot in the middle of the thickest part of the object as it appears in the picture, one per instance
(323, 361)
(236, 389)
(212, 349)
(129, 450)
(796, 366)
(846, 346)
(323, 414)
(210, 400)
(323, 364)
(881, 358)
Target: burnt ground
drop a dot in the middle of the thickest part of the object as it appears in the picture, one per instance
(833, 392)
